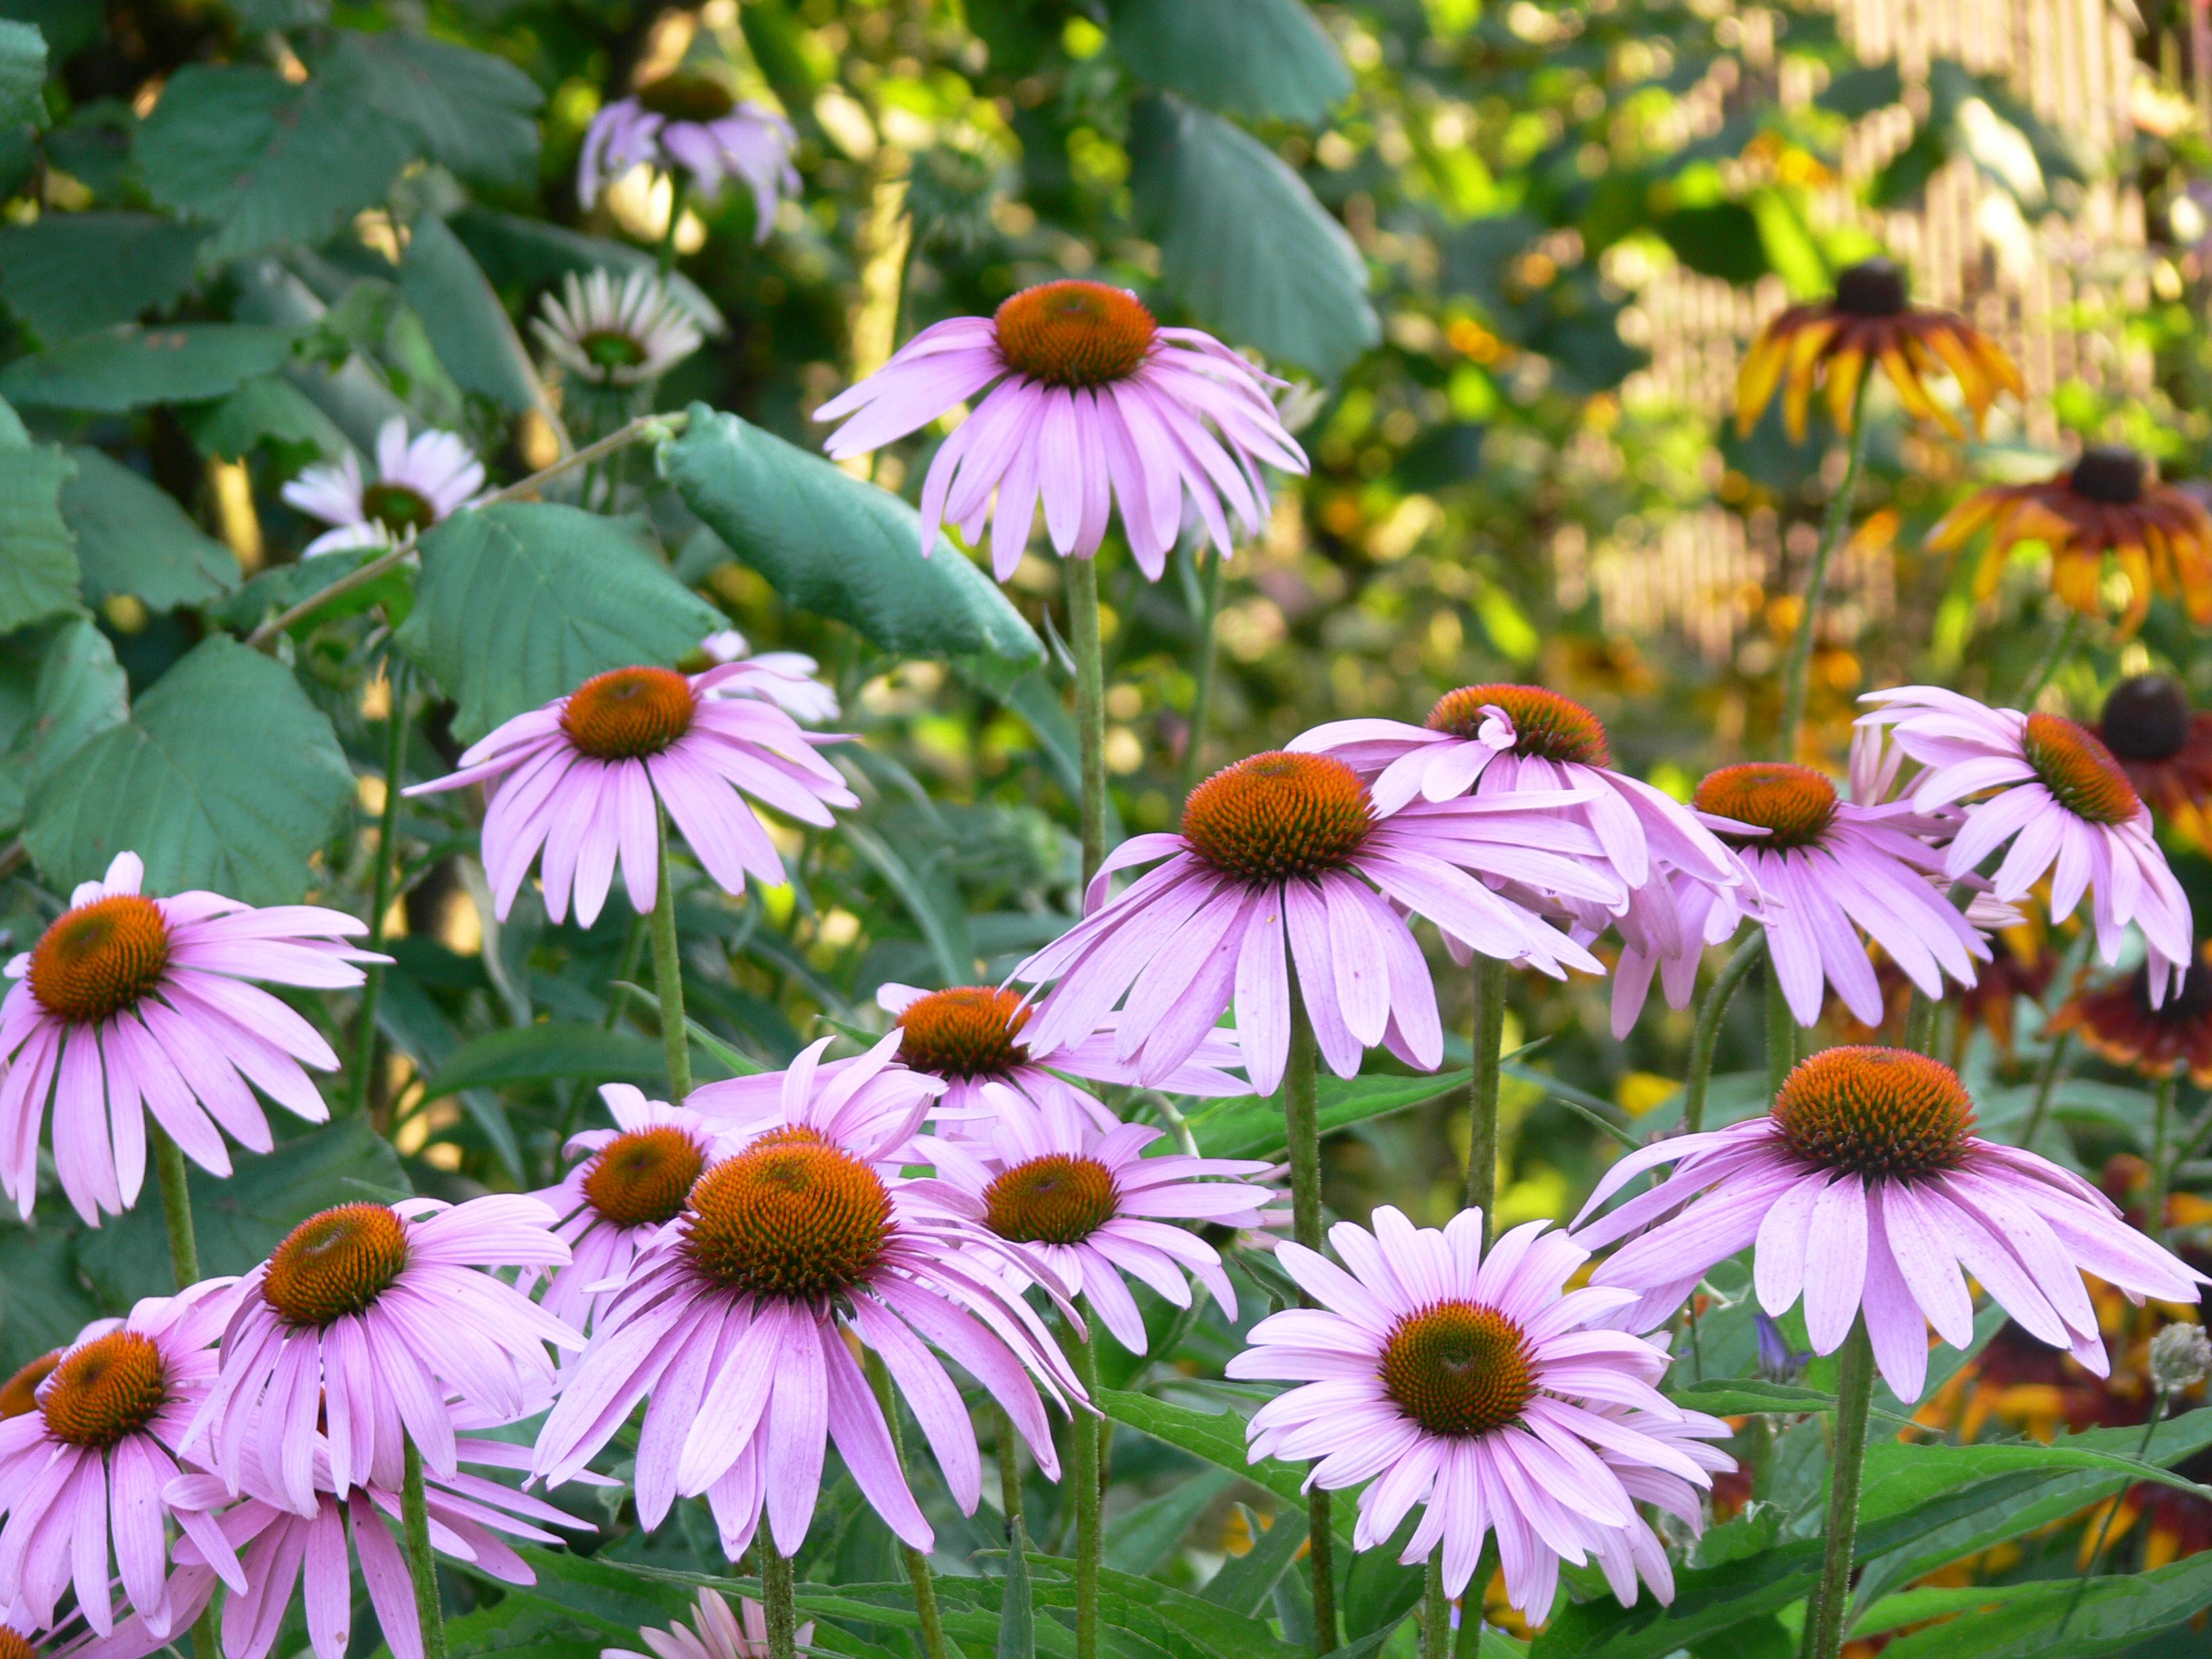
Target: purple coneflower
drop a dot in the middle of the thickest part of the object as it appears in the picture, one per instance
(1092, 406)
(1477, 1384)
(714, 1632)
(690, 119)
(419, 483)
(1282, 859)
(1092, 1207)
(369, 1316)
(734, 1317)
(96, 1457)
(586, 777)
(2062, 800)
(632, 1184)
(127, 999)
(786, 679)
(1866, 1190)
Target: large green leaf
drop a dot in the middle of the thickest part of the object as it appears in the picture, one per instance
(37, 571)
(22, 76)
(59, 687)
(530, 1054)
(132, 538)
(467, 325)
(471, 112)
(517, 1625)
(44, 1301)
(67, 273)
(1217, 1437)
(1900, 1476)
(225, 777)
(238, 1219)
(2023, 1620)
(521, 603)
(530, 254)
(272, 411)
(1145, 1536)
(1256, 57)
(1252, 1127)
(1245, 244)
(834, 545)
(265, 161)
(130, 367)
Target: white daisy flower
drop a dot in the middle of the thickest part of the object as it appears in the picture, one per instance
(420, 481)
(615, 336)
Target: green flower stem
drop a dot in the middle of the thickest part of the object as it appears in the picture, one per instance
(1482, 1093)
(2047, 1084)
(2105, 1527)
(1209, 664)
(1302, 1117)
(1798, 674)
(1010, 1468)
(1436, 1611)
(633, 946)
(176, 1204)
(1781, 1032)
(1711, 1012)
(933, 1645)
(421, 1564)
(1854, 1393)
(668, 979)
(2161, 1165)
(780, 1601)
(1469, 1644)
(380, 883)
(2062, 647)
(679, 188)
(1089, 1476)
(1920, 1023)
(1082, 577)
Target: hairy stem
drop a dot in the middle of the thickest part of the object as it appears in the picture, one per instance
(668, 979)
(1781, 1032)
(1302, 1117)
(1854, 1393)
(380, 882)
(1711, 1012)
(1436, 1611)
(1090, 1494)
(1482, 1093)
(918, 1575)
(2104, 1526)
(1010, 1468)
(2047, 1084)
(1797, 675)
(1467, 1645)
(780, 1601)
(1209, 663)
(176, 1204)
(1082, 576)
(421, 1564)
(633, 946)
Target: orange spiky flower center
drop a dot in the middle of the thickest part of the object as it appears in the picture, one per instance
(398, 507)
(628, 714)
(101, 957)
(334, 1263)
(1876, 1113)
(1795, 805)
(687, 95)
(1546, 725)
(1074, 333)
(1872, 288)
(13, 1644)
(2077, 769)
(641, 1178)
(2147, 718)
(19, 1395)
(2111, 475)
(790, 1215)
(967, 1031)
(1278, 815)
(1059, 1199)
(1458, 1367)
(112, 1387)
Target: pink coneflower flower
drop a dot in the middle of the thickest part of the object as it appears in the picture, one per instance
(1866, 1190)
(96, 1455)
(714, 1632)
(609, 333)
(734, 1317)
(419, 483)
(126, 1000)
(1092, 1207)
(1638, 1551)
(371, 1314)
(2062, 801)
(1283, 859)
(585, 778)
(1093, 408)
(632, 1184)
(1477, 1384)
(786, 679)
(689, 120)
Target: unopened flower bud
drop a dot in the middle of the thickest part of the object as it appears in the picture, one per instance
(2180, 1355)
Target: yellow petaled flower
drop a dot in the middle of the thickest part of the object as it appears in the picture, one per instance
(2106, 505)
(1871, 319)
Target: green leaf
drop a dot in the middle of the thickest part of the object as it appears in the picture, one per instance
(1218, 1438)
(132, 538)
(471, 112)
(531, 1054)
(1145, 1537)
(1254, 58)
(1246, 1583)
(1245, 244)
(467, 325)
(931, 897)
(1250, 1126)
(22, 76)
(265, 161)
(70, 691)
(530, 254)
(516, 1626)
(43, 1302)
(2020, 1621)
(521, 603)
(1017, 1610)
(835, 546)
(39, 573)
(272, 411)
(1858, 93)
(1719, 239)
(1901, 1476)
(67, 274)
(226, 776)
(130, 367)
(238, 1220)
(1742, 1396)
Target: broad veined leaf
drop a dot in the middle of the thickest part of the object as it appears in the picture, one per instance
(2021, 1621)
(1246, 1583)
(132, 538)
(1249, 1126)
(530, 254)
(470, 110)
(1257, 58)
(225, 777)
(1175, 1620)
(43, 1302)
(1245, 244)
(1218, 1438)
(130, 367)
(1147, 1535)
(67, 274)
(531, 1054)
(521, 603)
(834, 545)
(1018, 1609)
(38, 571)
(467, 325)
(60, 687)
(22, 75)
(930, 897)
(272, 411)
(266, 162)
(525, 1629)
(1901, 1476)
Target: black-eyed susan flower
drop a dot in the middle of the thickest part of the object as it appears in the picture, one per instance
(2117, 1020)
(2165, 746)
